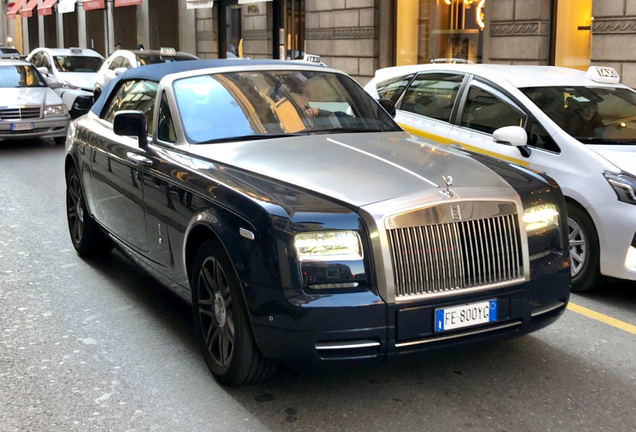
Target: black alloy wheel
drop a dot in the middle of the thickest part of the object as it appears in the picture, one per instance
(221, 321)
(585, 253)
(86, 236)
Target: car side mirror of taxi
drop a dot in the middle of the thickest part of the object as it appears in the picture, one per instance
(119, 71)
(44, 71)
(513, 135)
(388, 106)
(132, 124)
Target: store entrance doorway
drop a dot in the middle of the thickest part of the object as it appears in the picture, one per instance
(573, 34)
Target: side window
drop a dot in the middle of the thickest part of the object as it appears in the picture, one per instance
(486, 112)
(45, 62)
(540, 138)
(392, 89)
(36, 60)
(133, 96)
(165, 128)
(125, 63)
(116, 63)
(432, 95)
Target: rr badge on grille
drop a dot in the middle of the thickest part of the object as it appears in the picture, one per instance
(448, 193)
(456, 212)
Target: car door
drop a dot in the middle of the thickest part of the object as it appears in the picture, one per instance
(109, 73)
(117, 167)
(482, 110)
(426, 106)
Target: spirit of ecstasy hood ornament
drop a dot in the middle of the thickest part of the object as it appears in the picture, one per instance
(448, 193)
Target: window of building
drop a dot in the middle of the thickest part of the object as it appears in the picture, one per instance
(573, 35)
(432, 95)
(429, 30)
(486, 112)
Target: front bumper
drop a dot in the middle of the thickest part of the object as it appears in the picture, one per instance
(44, 128)
(362, 327)
(616, 227)
(79, 102)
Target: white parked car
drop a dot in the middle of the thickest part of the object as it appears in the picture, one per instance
(577, 127)
(29, 108)
(75, 70)
(122, 60)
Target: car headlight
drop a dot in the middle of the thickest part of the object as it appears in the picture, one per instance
(329, 246)
(55, 110)
(624, 185)
(69, 86)
(541, 217)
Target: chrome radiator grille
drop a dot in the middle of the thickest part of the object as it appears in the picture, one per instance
(454, 256)
(20, 113)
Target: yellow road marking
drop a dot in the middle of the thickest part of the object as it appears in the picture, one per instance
(443, 140)
(602, 318)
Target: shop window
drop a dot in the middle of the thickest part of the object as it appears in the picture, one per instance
(430, 30)
(572, 45)
(432, 95)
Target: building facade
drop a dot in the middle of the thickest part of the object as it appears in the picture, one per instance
(357, 36)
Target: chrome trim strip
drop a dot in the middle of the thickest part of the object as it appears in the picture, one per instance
(455, 336)
(246, 233)
(448, 293)
(347, 345)
(547, 308)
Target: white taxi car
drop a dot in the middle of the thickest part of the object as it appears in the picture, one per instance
(75, 69)
(122, 60)
(577, 127)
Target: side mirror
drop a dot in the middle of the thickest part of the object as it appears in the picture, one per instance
(44, 71)
(55, 85)
(132, 124)
(388, 106)
(513, 135)
(119, 71)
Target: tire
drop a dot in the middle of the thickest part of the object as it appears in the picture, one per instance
(221, 323)
(585, 253)
(59, 140)
(88, 239)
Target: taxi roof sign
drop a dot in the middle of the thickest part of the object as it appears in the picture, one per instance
(76, 51)
(168, 51)
(605, 75)
(312, 58)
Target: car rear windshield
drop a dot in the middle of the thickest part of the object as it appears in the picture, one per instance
(593, 115)
(148, 59)
(19, 76)
(260, 104)
(8, 51)
(77, 63)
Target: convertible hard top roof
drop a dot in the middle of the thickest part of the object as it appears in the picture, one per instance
(158, 71)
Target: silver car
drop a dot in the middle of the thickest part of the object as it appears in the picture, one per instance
(29, 108)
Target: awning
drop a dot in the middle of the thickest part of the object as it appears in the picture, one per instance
(27, 11)
(199, 4)
(119, 3)
(15, 8)
(94, 4)
(46, 8)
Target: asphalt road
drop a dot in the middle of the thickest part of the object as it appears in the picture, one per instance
(90, 345)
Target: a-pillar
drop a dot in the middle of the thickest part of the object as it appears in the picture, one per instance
(81, 25)
(60, 29)
(110, 26)
(143, 24)
(26, 49)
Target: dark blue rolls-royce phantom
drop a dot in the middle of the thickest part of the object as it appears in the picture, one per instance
(304, 224)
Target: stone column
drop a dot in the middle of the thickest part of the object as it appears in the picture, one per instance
(26, 49)
(81, 25)
(517, 32)
(257, 31)
(110, 26)
(143, 24)
(187, 28)
(207, 33)
(60, 28)
(613, 33)
(344, 33)
(41, 29)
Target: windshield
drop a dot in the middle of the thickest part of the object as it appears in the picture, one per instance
(254, 105)
(148, 59)
(593, 115)
(8, 51)
(77, 63)
(19, 76)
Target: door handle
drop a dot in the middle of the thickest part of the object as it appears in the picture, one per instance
(138, 159)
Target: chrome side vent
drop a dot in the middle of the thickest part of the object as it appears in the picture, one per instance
(455, 256)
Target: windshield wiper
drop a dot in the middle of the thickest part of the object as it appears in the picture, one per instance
(346, 130)
(252, 137)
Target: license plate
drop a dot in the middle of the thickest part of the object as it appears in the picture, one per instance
(22, 126)
(471, 314)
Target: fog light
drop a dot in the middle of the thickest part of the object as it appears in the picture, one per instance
(630, 259)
